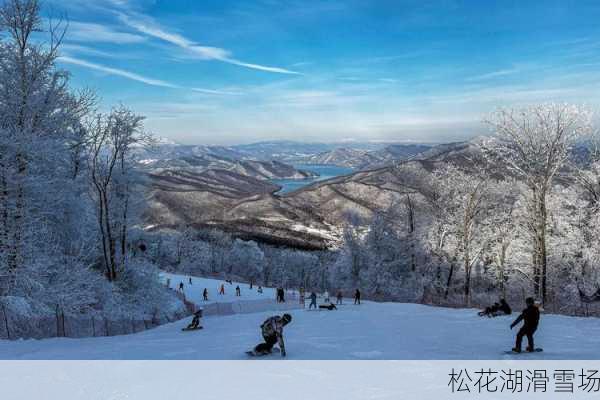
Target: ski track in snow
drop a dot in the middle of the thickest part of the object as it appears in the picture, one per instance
(392, 331)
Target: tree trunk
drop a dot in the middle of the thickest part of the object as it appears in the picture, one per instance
(15, 253)
(449, 282)
(4, 228)
(411, 232)
(543, 250)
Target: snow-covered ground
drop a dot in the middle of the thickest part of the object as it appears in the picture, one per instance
(194, 291)
(367, 331)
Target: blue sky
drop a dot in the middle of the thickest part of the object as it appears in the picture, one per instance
(221, 72)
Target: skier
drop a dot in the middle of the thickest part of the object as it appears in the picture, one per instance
(190, 280)
(326, 297)
(357, 297)
(339, 297)
(222, 289)
(531, 318)
(272, 332)
(313, 300)
(181, 286)
(238, 291)
(205, 294)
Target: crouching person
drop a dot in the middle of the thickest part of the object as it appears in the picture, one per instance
(195, 324)
(272, 332)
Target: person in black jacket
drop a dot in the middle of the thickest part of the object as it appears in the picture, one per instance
(531, 318)
(504, 307)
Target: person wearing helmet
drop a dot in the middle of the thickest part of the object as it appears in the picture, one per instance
(272, 332)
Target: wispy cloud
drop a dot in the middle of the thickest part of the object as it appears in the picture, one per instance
(140, 78)
(217, 92)
(204, 52)
(69, 49)
(91, 32)
(118, 72)
(494, 74)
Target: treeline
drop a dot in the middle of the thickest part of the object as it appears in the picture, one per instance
(212, 252)
(69, 192)
(514, 216)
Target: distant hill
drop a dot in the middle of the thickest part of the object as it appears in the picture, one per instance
(311, 217)
(364, 159)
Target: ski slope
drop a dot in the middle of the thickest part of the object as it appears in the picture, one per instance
(366, 331)
(194, 291)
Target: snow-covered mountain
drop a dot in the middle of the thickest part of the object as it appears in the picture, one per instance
(310, 217)
(364, 159)
(197, 159)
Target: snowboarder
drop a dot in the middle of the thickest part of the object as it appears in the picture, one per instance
(238, 291)
(250, 284)
(357, 297)
(205, 294)
(313, 300)
(190, 280)
(339, 297)
(490, 311)
(222, 289)
(168, 282)
(181, 286)
(531, 318)
(329, 306)
(326, 297)
(259, 290)
(272, 332)
(497, 309)
(195, 324)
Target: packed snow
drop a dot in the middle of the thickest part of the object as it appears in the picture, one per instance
(193, 292)
(366, 331)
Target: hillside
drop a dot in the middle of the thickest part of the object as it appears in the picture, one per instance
(310, 217)
(365, 159)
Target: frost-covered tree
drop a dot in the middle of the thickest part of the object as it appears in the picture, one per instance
(112, 138)
(534, 144)
(39, 117)
(246, 259)
(460, 203)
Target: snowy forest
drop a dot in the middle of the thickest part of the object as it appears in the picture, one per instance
(516, 217)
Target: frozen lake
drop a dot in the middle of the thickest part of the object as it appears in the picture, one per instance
(324, 171)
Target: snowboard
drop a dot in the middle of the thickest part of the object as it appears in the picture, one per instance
(536, 350)
(191, 329)
(251, 353)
